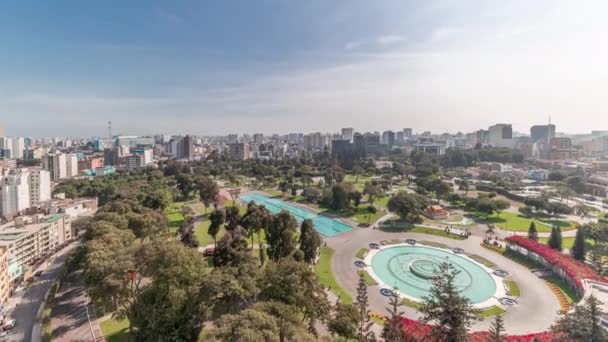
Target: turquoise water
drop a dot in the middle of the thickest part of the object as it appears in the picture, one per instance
(323, 224)
(411, 270)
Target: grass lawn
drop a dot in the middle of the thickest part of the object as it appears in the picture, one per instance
(359, 214)
(491, 311)
(326, 275)
(520, 223)
(382, 202)
(434, 244)
(115, 331)
(368, 280)
(513, 288)
(482, 260)
(362, 253)
(202, 233)
(410, 303)
(174, 215)
(567, 242)
(422, 230)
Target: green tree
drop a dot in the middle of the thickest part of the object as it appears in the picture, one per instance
(280, 236)
(497, 330)
(449, 311)
(407, 206)
(294, 283)
(233, 218)
(207, 191)
(310, 241)
(372, 191)
(356, 196)
(364, 332)
(185, 184)
(248, 326)
(186, 233)
(345, 321)
(394, 329)
(371, 210)
(231, 249)
(578, 248)
(217, 218)
(555, 239)
(532, 232)
(340, 197)
(582, 324)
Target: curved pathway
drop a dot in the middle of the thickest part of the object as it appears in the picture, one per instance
(538, 307)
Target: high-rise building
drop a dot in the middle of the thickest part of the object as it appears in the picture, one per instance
(111, 157)
(232, 139)
(407, 132)
(388, 138)
(542, 133)
(18, 147)
(347, 134)
(258, 138)
(6, 147)
(71, 165)
(40, 186)
(61, 165)
(501, 135)
(239, 151)
(14, 194)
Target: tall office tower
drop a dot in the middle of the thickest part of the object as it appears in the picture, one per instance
(407, 132)
(40, 186)
(232, 139)
(6, 147)
(400, 139)
(56, 164)
(71, 165)
(14, 193)
(18, 147)
(388, 138)
(501, 135)
(347, 134)
(258, 138)
(542, 133)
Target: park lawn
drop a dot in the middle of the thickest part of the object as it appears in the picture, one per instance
(382, 202)
(519, 223)
(567, 242)
(256, 240)
(115, 331)
(482, 260)
(174, 215)
(491, 311)
(326, 275)
(432, 231)
(410, 303)
(202, 233)
(513, 288)
(368, 279)
(361, 216)
(362, 253)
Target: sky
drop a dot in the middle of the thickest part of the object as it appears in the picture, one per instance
(217, 67)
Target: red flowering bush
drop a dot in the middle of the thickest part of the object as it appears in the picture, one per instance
(575, 270)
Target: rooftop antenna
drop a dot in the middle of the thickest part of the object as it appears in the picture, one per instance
(110, 130)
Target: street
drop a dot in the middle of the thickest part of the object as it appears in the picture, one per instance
(23, 306)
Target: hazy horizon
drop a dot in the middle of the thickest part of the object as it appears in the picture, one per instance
(212, 68)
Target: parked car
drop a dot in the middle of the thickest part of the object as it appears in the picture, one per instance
(10, 324)
(209, 251)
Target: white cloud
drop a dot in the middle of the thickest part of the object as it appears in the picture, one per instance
(389, 39)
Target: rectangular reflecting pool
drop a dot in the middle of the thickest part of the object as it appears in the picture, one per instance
(323, 224)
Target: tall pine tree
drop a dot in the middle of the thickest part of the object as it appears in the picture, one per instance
(497, 330)
(582, 324)
(578, 248)
(364, 333)
(450, 313)
(532, 232)
(555, 239)
(394, 329)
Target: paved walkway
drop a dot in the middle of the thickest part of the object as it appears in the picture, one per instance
(537, 309)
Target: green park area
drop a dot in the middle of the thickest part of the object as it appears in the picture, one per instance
(422, 230)
(520, 223)
(174, 215)
(115, 331)
(568, 242)
(326, 276)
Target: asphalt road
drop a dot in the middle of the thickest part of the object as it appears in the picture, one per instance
(23, 306)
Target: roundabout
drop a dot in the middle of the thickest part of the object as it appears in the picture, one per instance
(411, 270)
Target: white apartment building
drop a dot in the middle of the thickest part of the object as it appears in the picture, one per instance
(40, 186)
(14, 193)
(6, 147)
(501, 135)
(61, 165)
(29, 239)
(18, 147)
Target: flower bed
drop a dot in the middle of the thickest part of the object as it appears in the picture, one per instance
(420, 332)
(573, 270)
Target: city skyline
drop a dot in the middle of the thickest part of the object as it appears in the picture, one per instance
(212, 69)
